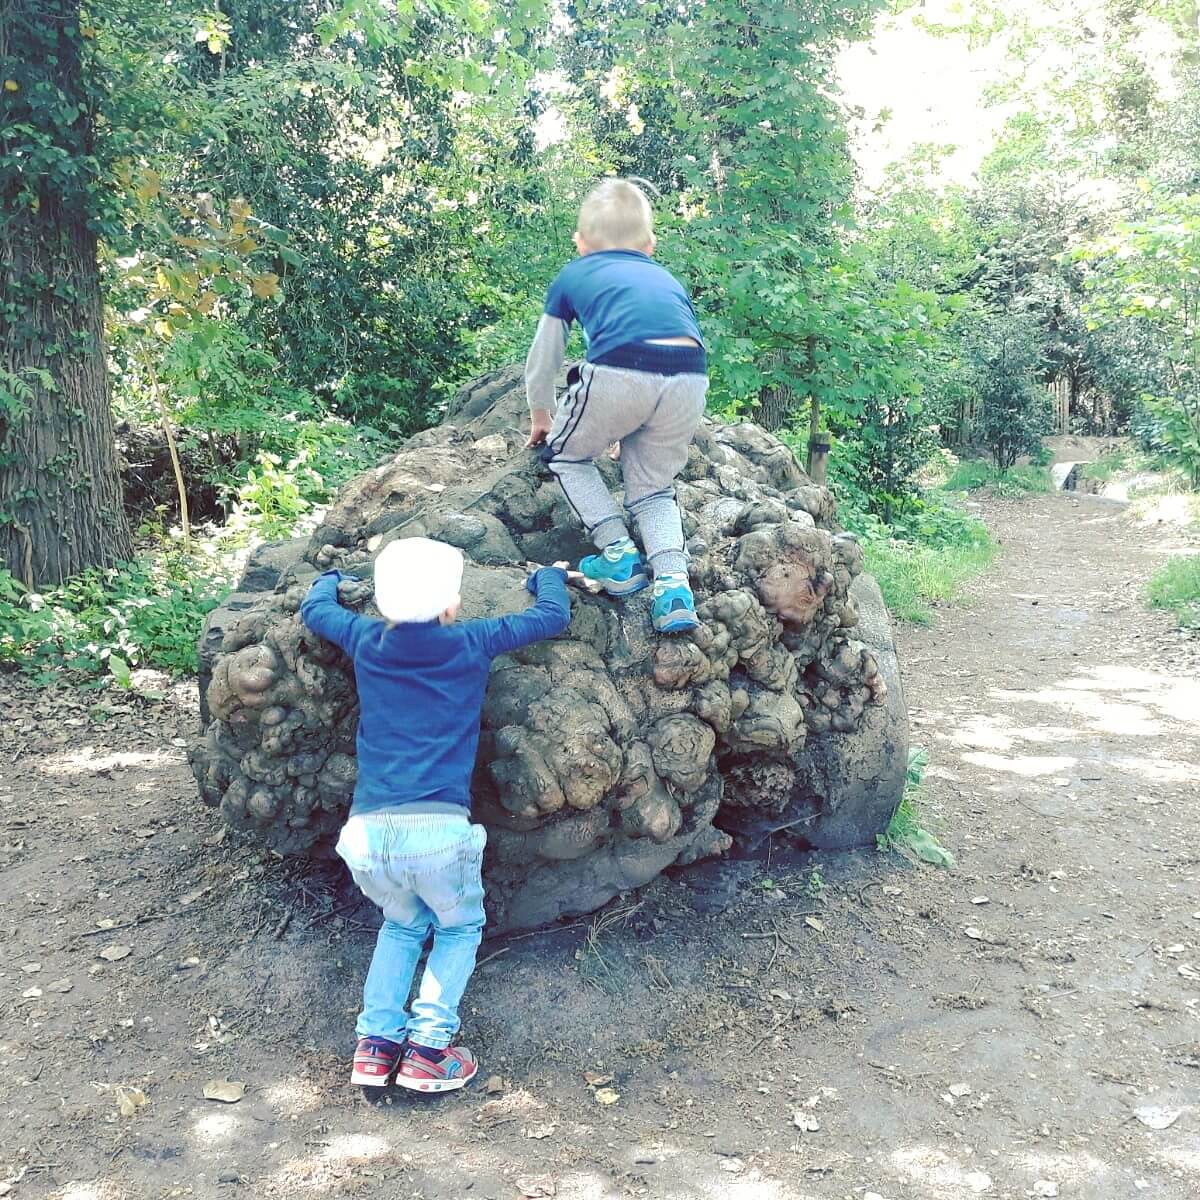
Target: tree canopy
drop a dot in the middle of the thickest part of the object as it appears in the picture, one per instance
(297, 228)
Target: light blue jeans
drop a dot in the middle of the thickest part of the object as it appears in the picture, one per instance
(423, 870)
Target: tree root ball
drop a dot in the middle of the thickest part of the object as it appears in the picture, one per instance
(607, 754)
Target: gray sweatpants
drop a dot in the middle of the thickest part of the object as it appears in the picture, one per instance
(654, 417)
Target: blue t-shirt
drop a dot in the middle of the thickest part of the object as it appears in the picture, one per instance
(621, 297)
(421, 688)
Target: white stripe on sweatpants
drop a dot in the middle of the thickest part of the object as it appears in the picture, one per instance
(654, 417)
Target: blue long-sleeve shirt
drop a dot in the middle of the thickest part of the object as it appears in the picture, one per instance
(421, 687)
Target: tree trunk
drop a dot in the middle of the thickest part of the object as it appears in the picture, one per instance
(60, 495)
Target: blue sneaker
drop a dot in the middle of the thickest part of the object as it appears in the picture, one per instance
(622, 575)
(674, 607)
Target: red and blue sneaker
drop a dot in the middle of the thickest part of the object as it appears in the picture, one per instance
(375, 1061)
(424, 1069)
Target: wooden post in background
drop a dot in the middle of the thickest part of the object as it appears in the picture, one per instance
(1060, 397)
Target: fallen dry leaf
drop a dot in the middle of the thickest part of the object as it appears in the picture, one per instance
(1045, 1187)
(606, 1095)
(1188, 971)
(31, 968)
(806, 1122)
(959, 1089)
(536, 1186)
(129, 1100)
(594, 1080)
(494, 1085)
(815, 923)
(976, 935)
(31, 993)
(60, 985)
(226, 1090)
(105, 923)
(115, 953)
(539, 1132)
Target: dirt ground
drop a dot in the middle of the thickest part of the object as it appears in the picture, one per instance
(855, 1026)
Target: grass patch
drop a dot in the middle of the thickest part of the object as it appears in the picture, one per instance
(925, 556)
(1109, 466)
(905, 831)
(913, 577)
(973, 475)
(1176, 587)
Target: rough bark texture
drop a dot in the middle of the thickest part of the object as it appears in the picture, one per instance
(607, 754)
(60, 498)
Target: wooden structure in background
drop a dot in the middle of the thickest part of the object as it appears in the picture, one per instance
(1060, 398)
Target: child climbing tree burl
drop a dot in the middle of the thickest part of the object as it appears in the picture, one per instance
(643, 384)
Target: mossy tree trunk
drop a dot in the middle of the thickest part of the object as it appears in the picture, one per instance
(60, 497)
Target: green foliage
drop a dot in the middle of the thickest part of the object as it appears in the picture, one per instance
(1176, 587)
(277, 496)
(1147, 271)
(931, 548)
(109, 620)
(324, 180)
(905, 831)
(725, 124)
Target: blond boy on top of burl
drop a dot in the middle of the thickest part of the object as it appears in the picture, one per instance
(643, 384)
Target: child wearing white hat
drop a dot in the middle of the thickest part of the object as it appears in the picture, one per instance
(409, 841)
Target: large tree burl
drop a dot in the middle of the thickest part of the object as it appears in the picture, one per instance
(608, 753)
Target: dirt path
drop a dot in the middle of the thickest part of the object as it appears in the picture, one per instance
(995, 1030)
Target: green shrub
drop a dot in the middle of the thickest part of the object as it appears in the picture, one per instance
(1175, 433)
(109, 620)
(1005, 353)
(277, 496)
(1176, 587)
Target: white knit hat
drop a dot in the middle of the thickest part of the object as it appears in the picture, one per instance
(417, 579)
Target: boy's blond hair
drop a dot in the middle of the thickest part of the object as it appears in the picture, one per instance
(615, 215)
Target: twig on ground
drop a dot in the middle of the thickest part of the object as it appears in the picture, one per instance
(780, 941)
(520, 937)
(777, 1025)
(896, 1074)
(333, 912)
(658, 976)
(494, 954)
(126, 925)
